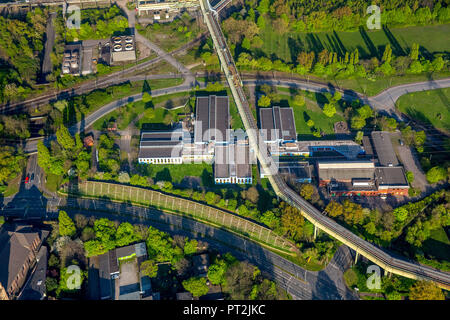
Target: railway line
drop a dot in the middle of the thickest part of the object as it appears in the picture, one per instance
(84, 87)
(377, 255)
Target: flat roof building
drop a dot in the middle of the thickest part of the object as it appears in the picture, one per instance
(345, 148)
(72, 59)
(277, 124)
(212, 120)
(123, 49)
(300, 171)
(384, 149)
(232, 164)
(344, 171)
(162, 147)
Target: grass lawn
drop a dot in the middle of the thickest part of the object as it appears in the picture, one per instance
(311, 110)
(175, 173)
(287, 46)
(13, 187)
(438, 245)
(430, 107)
(52, 182)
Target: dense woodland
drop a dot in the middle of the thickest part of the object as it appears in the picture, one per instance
(21, 50)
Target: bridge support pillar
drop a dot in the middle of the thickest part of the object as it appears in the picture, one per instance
(316, 230)
(356, 257)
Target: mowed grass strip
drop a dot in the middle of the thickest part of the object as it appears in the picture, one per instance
(287, 46)
(220, 218)
(431, 107)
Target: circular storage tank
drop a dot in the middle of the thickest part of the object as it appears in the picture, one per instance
(129, 39)
(118, 47)
(128, 47)
(117, 39)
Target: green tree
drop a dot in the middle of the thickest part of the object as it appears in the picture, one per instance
(196, 285)
(401, 214)
(261, 22)
(329, 109)
(190, 247)
(216, 272)
(264, 101)
(436, 174)
(426, 290)
(299, 100)
(149, 268)
(125, 234)
(307, 191)
(410, 176)
(414, 54)
(64, 138)
(66, 224)
(359, 136)
(334, 209)
(310, 123)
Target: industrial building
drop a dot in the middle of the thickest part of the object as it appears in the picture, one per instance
(162, 147)
(212, 141)
(123, 49)
(379, 174)
(299, 171)
(163, 10)
(72, 59)
(277, 125)
(232, 163)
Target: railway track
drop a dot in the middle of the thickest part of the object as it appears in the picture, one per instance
(108, 80)
(377, 255)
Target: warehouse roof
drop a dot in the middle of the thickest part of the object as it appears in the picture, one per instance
(278, 123)
(212, 116)
(384, 149)
(345, 174)
(161, 144)
(391, 176)
(232, 161)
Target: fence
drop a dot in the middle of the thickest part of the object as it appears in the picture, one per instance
(198, 211)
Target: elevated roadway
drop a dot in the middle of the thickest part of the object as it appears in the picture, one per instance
(375, 254)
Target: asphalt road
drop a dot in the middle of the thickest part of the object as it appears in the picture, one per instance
(31, 145)
(386, 99)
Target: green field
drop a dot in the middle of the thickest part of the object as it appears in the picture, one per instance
(153, 112)
(373, 87)
(371, 43)
(438, 245)
(429, 107)
(175, 173)
(311, 110)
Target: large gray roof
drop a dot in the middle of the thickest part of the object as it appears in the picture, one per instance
(391, 176)
(278, 123)
(384, 149)
(212, 119)
(347, 174)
